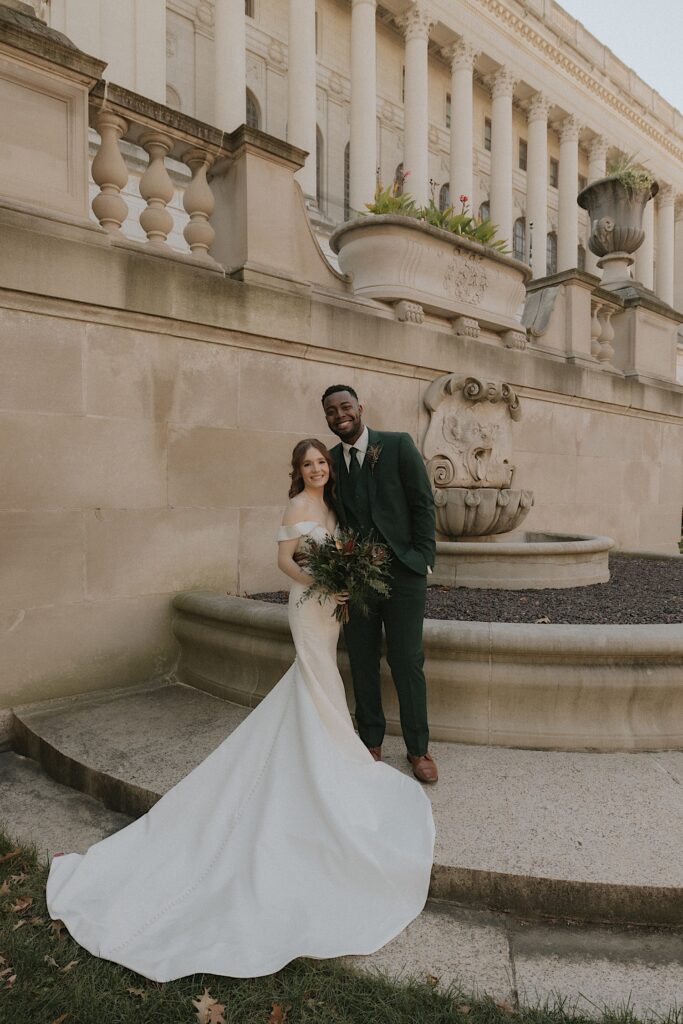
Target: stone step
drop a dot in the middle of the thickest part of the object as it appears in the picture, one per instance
(579, 836)
(480, 952)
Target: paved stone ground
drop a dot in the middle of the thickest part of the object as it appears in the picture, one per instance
(491, 954)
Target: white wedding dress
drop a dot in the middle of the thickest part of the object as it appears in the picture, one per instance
(288, 840)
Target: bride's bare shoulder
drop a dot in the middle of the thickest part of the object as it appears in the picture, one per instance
(296, 510)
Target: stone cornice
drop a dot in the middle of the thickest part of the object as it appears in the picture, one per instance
(523, 27)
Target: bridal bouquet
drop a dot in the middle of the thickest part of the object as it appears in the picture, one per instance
(360, 566)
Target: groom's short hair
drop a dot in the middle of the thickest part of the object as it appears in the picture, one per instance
(334, 388)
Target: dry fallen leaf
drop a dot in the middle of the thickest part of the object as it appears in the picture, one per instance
(278, 1014)
(10, 855)
(464, 1008)
(20, 924)
(21, 903)
(505, 1007)
(138, 992)
(57, 928)
(69, 967)
(209, 1011)
(2, 959)
(60, 1020)
(4, 888)
(50, 961)
(7, 970)
(21, 877)
(432, 979)
(11, 980)
(541, 621)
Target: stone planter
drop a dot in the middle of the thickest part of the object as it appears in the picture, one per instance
(399, 259)
(616, 219)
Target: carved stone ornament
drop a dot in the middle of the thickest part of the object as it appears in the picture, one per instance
(466, 327)
(465, 277)
(409, 312)
(276, 53)
(205, 13)
(469, 439)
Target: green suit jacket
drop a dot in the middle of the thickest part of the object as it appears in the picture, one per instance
(401, 501)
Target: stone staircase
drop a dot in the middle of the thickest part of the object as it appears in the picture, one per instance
(555, 873)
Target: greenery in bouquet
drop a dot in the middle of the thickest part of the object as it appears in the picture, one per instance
(360, 566)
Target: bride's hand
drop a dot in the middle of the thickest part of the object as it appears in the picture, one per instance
(341, 598)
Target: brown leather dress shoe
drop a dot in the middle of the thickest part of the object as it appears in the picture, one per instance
(424, 767)
(376, 753)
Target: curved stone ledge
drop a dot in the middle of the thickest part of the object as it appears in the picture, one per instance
(552, 687)
(535, 561)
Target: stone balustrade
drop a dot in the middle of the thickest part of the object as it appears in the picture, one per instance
(117, 115)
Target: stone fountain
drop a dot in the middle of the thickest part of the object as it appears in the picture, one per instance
(468, 452)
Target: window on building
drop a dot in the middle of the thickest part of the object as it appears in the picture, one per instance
(522, 154)
(554, 176)
(519, 239)
(444, 197)
(551, 253)
(347, 181)
(448, 110)
(319, 168)
(582, 182)
(485, 210)
(249, 8)
(581, 257)
(487, 133)
(399, 179)
(253, 112)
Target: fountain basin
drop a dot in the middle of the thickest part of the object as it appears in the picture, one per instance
(534, 561)
(550, 687)
(480, 511)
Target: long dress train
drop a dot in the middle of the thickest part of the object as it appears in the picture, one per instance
(287, 840)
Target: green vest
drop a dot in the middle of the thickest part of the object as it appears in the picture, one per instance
(357, 502)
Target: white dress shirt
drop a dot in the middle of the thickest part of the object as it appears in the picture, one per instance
(361, 446)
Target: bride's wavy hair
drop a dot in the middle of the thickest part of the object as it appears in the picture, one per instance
(298, 455)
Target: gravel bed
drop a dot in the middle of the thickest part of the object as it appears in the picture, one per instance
(640, 590)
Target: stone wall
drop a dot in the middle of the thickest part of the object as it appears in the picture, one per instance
(148, 408)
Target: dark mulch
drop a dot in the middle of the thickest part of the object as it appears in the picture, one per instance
(642, 590)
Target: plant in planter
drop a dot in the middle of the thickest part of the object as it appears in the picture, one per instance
(615, 206)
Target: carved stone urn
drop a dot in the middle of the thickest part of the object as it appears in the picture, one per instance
(422, 269)
(468, 452)
(616, 220)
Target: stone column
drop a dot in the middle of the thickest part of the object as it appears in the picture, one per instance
(597, 163)
(537, 182)
(363, 145)
(568, 217)
(502, 87)
(416, 24)
(664, 282)
(644, 270)
(301, 89)
(230, 76)
(678, 255)
(462, 57)
(150, 49)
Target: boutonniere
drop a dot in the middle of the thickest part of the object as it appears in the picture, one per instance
(373, 453)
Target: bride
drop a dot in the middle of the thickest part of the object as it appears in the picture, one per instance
(288, 840)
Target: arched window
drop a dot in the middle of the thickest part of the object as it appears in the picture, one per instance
(253, 112)
(347, 181)
(399, 179)
(445, 197)
(319, 168)
(485, 210)
(581, 257)
(551, 253)
(519, 239)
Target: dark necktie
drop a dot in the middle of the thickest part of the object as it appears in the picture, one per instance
(354, 466)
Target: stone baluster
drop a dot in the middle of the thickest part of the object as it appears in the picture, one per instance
(363, 143)
(416, 23)
(109, 171)
(596, 329)
(568, 218)
(156, 188)
(606, 338)
(462, 57)
(199, 202)
(502, 88)
(537, 182)
(664, 283)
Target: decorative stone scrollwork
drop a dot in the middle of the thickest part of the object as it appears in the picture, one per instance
(416, 21)
(409, 312)
(515, 339)
(465, 277)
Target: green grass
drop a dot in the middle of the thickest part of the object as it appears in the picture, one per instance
(95, 991)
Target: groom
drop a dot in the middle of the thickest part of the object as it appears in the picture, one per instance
(382, 488)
